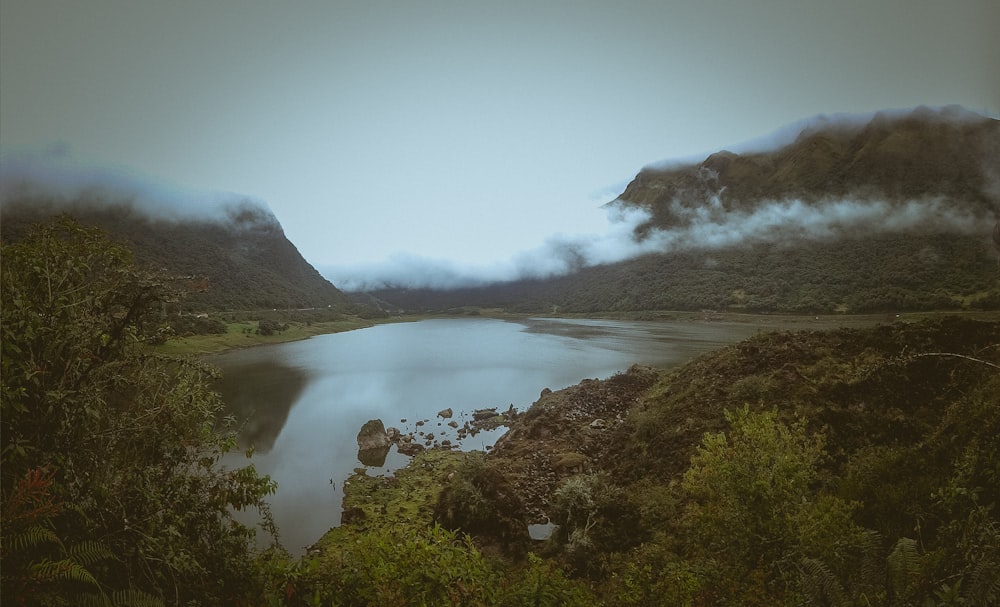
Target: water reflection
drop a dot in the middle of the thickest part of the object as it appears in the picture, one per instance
(307, 400)
(261, 394)
(373, 458)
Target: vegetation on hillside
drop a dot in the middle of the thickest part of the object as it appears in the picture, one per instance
(111, 486)
(888, 216)
(842, 467)
(239, 261)
(944, 153)
(889, 273)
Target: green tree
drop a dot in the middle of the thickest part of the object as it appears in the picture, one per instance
(755, 509)
(133, 440)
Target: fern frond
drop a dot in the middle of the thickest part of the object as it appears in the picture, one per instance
(903, 564)
(871, 572)
(135, 598)
(31, 537)
(88, 552)
(93, 600)
(66, 570)
(819, 585)
(984, 584)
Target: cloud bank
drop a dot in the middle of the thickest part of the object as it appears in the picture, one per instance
(56, 176)
(704, 227)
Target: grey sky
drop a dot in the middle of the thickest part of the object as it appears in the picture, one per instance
(468, 131)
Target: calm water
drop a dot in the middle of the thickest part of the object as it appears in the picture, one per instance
(305, 401)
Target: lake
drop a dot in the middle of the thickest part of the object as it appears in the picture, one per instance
(305, 401)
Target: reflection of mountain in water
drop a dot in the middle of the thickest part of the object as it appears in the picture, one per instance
(260, 395)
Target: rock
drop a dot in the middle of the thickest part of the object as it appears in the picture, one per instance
(453, 424)
(410, 449)
(569, 462)
(393, 434)
(445, 413)
(481, 414)
(372, 436)
(598, 424)
(545, 392)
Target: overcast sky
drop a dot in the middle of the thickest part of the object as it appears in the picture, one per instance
(466, 131)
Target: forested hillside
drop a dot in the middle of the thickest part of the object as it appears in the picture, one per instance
(240, 260)
(893, 213)
(829, 468)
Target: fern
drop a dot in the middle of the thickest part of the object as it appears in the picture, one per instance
(89, 552)
(904, 566)
(871, 573)
(66, 570)
(820, 586)
(984, 584)
(28, 539)
(135, 598)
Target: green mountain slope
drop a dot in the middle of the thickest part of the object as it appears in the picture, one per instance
(238, 261)
(890, 214)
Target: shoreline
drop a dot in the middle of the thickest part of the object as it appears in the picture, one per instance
(240, 334)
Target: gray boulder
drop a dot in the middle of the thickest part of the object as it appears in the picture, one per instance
(373, 436)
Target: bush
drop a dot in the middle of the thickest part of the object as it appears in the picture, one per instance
(128, 441)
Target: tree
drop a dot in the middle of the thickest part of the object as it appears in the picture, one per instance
(755, 509)
(131, 441)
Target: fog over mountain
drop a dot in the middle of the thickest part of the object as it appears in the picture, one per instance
(233, 246)
(56, 176)
(826, 177)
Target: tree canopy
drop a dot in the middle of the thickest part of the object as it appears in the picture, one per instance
(112, 486)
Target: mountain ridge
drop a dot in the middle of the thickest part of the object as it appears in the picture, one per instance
(240, 255)
(865, 198)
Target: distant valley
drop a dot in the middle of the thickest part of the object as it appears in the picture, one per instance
(890, 212)
(884, 213)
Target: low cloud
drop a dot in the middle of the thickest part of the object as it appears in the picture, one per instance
(56, 177)
(705, 227)
(558, 255)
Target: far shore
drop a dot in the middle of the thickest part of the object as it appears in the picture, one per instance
(243, 334)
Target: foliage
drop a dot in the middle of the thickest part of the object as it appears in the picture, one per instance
(240, 260)
(380, 567)
(594, 519)
(422, 566)
(875, 274)
(754, 509)
(132, 441)
(270, 327)
(479, 501)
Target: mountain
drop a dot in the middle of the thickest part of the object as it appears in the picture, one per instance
(886, 212)
(239, 259)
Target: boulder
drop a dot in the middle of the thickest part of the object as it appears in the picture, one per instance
(445, 413)
(569, 462)
(481, 414)
(409, 448)
(373, 436)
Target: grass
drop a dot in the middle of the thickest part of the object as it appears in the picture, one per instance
(243, 335)
(405, 499)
